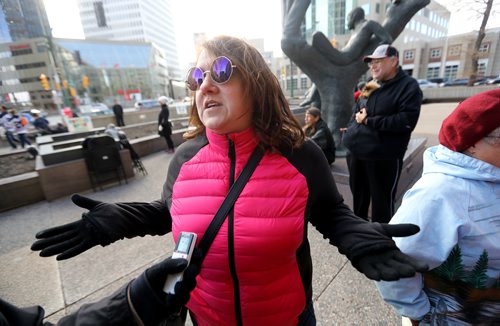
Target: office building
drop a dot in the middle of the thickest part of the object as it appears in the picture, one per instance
(450, 57)
(22, 20)
(113, 70)
(133, 20)
(24, 55)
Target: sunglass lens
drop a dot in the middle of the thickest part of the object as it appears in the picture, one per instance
(194, 78)
(221, 70)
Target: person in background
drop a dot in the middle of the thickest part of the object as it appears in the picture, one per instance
(258, 270)
(359, 89)
(19, 124)
(114, 132)
(456, 204)
(164, 126)
(41, 124)
(316, 129)
(8, 126)
(390, 115)
(140, 302)
(118, 111)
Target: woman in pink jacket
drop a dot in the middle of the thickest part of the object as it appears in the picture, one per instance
(258, 270)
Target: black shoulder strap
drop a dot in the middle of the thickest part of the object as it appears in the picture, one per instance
(228, 203)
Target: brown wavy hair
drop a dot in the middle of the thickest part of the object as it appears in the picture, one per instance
(272, 120)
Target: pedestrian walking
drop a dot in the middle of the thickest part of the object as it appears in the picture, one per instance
(8, 126)
(118, 111)
(19, 123)
(378, 135)
(164, 125)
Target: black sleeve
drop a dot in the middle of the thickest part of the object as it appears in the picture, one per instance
(111, 310)
(184, 153)
(132, 219)
(160, 118)
(327, 211)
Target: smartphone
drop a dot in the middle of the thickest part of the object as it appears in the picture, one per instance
(183, 249)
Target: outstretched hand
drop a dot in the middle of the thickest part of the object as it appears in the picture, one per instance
(71, 239)
(391, 264)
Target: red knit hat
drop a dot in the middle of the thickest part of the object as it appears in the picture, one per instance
(471, 120)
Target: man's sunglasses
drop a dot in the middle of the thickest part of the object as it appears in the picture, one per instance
(220, 71)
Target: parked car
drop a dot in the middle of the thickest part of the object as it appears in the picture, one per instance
(147, 104)
(483, 80)
(424, 83)
(494, 81)
(438, 80)
(94, 109)
(456, 82)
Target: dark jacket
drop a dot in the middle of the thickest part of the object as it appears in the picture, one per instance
(117, 109)
(163, 120)
(41, 124)
(393, 112)
(324, 139)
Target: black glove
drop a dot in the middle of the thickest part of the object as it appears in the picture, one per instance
(146, 292)
(390, 264)
(103, 224)
(71, 239)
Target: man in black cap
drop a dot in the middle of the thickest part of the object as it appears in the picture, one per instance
(378, 135)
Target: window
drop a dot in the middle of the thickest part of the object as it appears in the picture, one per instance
(481, 68)
(377, 8)
(435, 53)
(7, 68)
(303, 83)
(99, 14)
(432, 72)
(17, 52)
(409, 55)
(485, 47)
(5, 54)
(450, 72)
(30, 65)
(454, 50)
(294, 83)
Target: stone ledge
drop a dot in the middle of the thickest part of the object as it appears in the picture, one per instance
(20, 190)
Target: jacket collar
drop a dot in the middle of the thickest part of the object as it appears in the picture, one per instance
(244, 141)
(400, 74)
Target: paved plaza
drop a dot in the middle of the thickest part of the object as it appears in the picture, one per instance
(342, 296)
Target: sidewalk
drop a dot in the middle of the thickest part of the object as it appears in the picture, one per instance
(342, 296)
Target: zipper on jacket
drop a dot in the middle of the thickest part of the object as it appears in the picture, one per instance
(232, 264)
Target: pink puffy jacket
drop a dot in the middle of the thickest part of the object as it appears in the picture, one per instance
(252, 261)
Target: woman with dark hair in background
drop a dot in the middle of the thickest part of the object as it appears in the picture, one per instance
(317, 129)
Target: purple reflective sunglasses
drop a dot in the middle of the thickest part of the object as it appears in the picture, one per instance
(220, 71)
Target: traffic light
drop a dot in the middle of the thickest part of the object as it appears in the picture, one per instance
(85, 81)
(65, 84)
(72, 91)
(44, 81)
